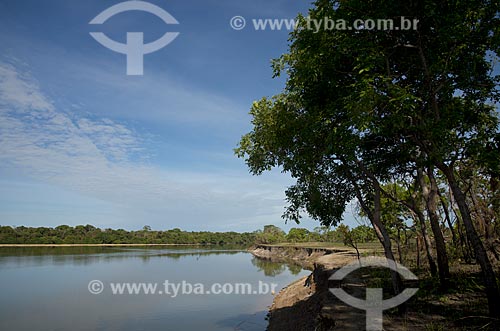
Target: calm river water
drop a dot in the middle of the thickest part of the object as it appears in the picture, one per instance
(48, 289)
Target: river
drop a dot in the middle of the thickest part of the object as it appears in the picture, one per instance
(78, 288)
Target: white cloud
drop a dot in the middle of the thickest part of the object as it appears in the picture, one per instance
(19, 92)
(101, 159)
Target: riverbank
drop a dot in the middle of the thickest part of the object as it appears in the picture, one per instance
(306, 256)
(308, 305)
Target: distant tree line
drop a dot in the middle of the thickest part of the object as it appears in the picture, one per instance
(342, 234)
(88, 234)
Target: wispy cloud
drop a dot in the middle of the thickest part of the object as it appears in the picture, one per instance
(103, 159)
(21, 92)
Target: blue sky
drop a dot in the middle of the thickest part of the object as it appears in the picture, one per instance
(81, 142)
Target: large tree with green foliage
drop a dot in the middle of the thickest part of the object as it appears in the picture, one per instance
(270, 235)
(361, 107)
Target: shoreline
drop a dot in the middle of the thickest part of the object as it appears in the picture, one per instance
(305, 256)
(306, 303)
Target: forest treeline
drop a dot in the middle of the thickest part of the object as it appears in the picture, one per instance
(272, 234)
(89, 234)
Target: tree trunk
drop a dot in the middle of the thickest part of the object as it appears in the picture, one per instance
(427, 242)
(430, 195)
(417, 239)
(398, 243)
(489, 277)
(415, 209)
(465, 246)
(448, 219)
(386, 240)
(380, 230)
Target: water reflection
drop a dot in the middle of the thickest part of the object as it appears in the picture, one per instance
(50, 285)
(272, 269)
(21, 256)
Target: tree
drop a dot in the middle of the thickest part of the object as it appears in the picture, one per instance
(364, 234)
(407, 195)
(430, 195)
(350, 238)
(297, 235)
(270, 235)
(91, 235)
(363, 106)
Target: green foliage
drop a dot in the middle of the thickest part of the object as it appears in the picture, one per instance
(363, 234)
(378, 102)
(348, 237)
(364, 108)
(352, 238)
(298, 235)
(270, 235)
(89, 234)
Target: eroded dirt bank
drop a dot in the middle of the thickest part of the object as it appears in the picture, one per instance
(308, 305)
(305, 256)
